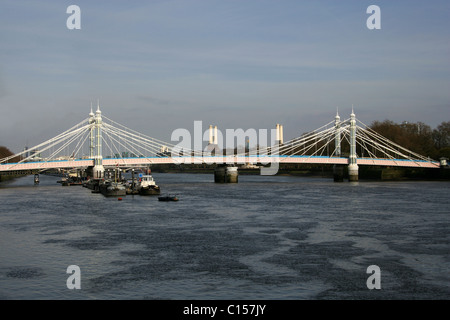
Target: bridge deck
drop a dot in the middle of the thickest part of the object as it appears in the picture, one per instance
(77, 163)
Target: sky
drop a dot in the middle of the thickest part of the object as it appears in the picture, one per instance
(159, 65)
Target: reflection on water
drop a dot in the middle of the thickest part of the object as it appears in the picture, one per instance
(267, 237)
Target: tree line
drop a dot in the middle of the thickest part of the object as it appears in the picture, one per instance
(5, 152)
(417, 137)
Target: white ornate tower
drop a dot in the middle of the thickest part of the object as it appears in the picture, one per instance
(338, 170)
(91, 134)
(337, 135)
(352, 165)
(98, 158)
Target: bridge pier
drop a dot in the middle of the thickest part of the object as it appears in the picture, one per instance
(353, 172)
(225, 174)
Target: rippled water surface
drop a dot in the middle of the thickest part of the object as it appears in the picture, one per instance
(267, 237)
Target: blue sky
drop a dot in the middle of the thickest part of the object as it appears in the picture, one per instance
(160, 65)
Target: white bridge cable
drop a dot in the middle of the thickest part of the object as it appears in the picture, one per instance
(319, 152)
(303, 145)
(316, 138)
(71, 138)
(140, 135)
(371, 155)
(291, 145)
(116, 136)
(326, 136)
(112, 139)
(331, 138)
(153, 146)
(53, 142)
(387, 141)
(287, 146)
(397, 155)
(141, 143)
(115, 139)
(383, 149)
(305, 138)
(146, 143)
(147, 140)
(343, 133)
(81, 144)
(138, 144)
(362, 139)
(363, 145)
(37, 147)
(390, 144)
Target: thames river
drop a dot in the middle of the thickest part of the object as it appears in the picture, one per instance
(266, 237)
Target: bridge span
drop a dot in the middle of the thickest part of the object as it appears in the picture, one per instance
(211, 160)
(84, 146)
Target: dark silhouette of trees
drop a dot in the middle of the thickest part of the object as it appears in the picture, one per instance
(441, 137)
(5, 152)
(417, 137)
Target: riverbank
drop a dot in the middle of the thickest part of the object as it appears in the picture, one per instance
(4, 178)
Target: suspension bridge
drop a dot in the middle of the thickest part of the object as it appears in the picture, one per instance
(98, 142)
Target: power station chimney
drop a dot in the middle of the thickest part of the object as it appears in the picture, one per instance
(215, 135)
(211, 134)
(281, 134)
(277, 135)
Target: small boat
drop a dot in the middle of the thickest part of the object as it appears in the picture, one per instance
(36, 179)
(70, 181)
(75, 182)
(64, 181)
(168, 198)
(147, 186)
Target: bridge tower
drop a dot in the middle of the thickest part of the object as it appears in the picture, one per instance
(99, 170)
(338, 170)
(337, 135)
(91, 134)
(352, 165)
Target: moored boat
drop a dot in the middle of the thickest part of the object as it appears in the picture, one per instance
(110, 188)
(147, 186)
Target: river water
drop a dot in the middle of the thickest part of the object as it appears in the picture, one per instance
(267, 237)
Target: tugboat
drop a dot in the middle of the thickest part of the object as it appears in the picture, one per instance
(147, 186)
